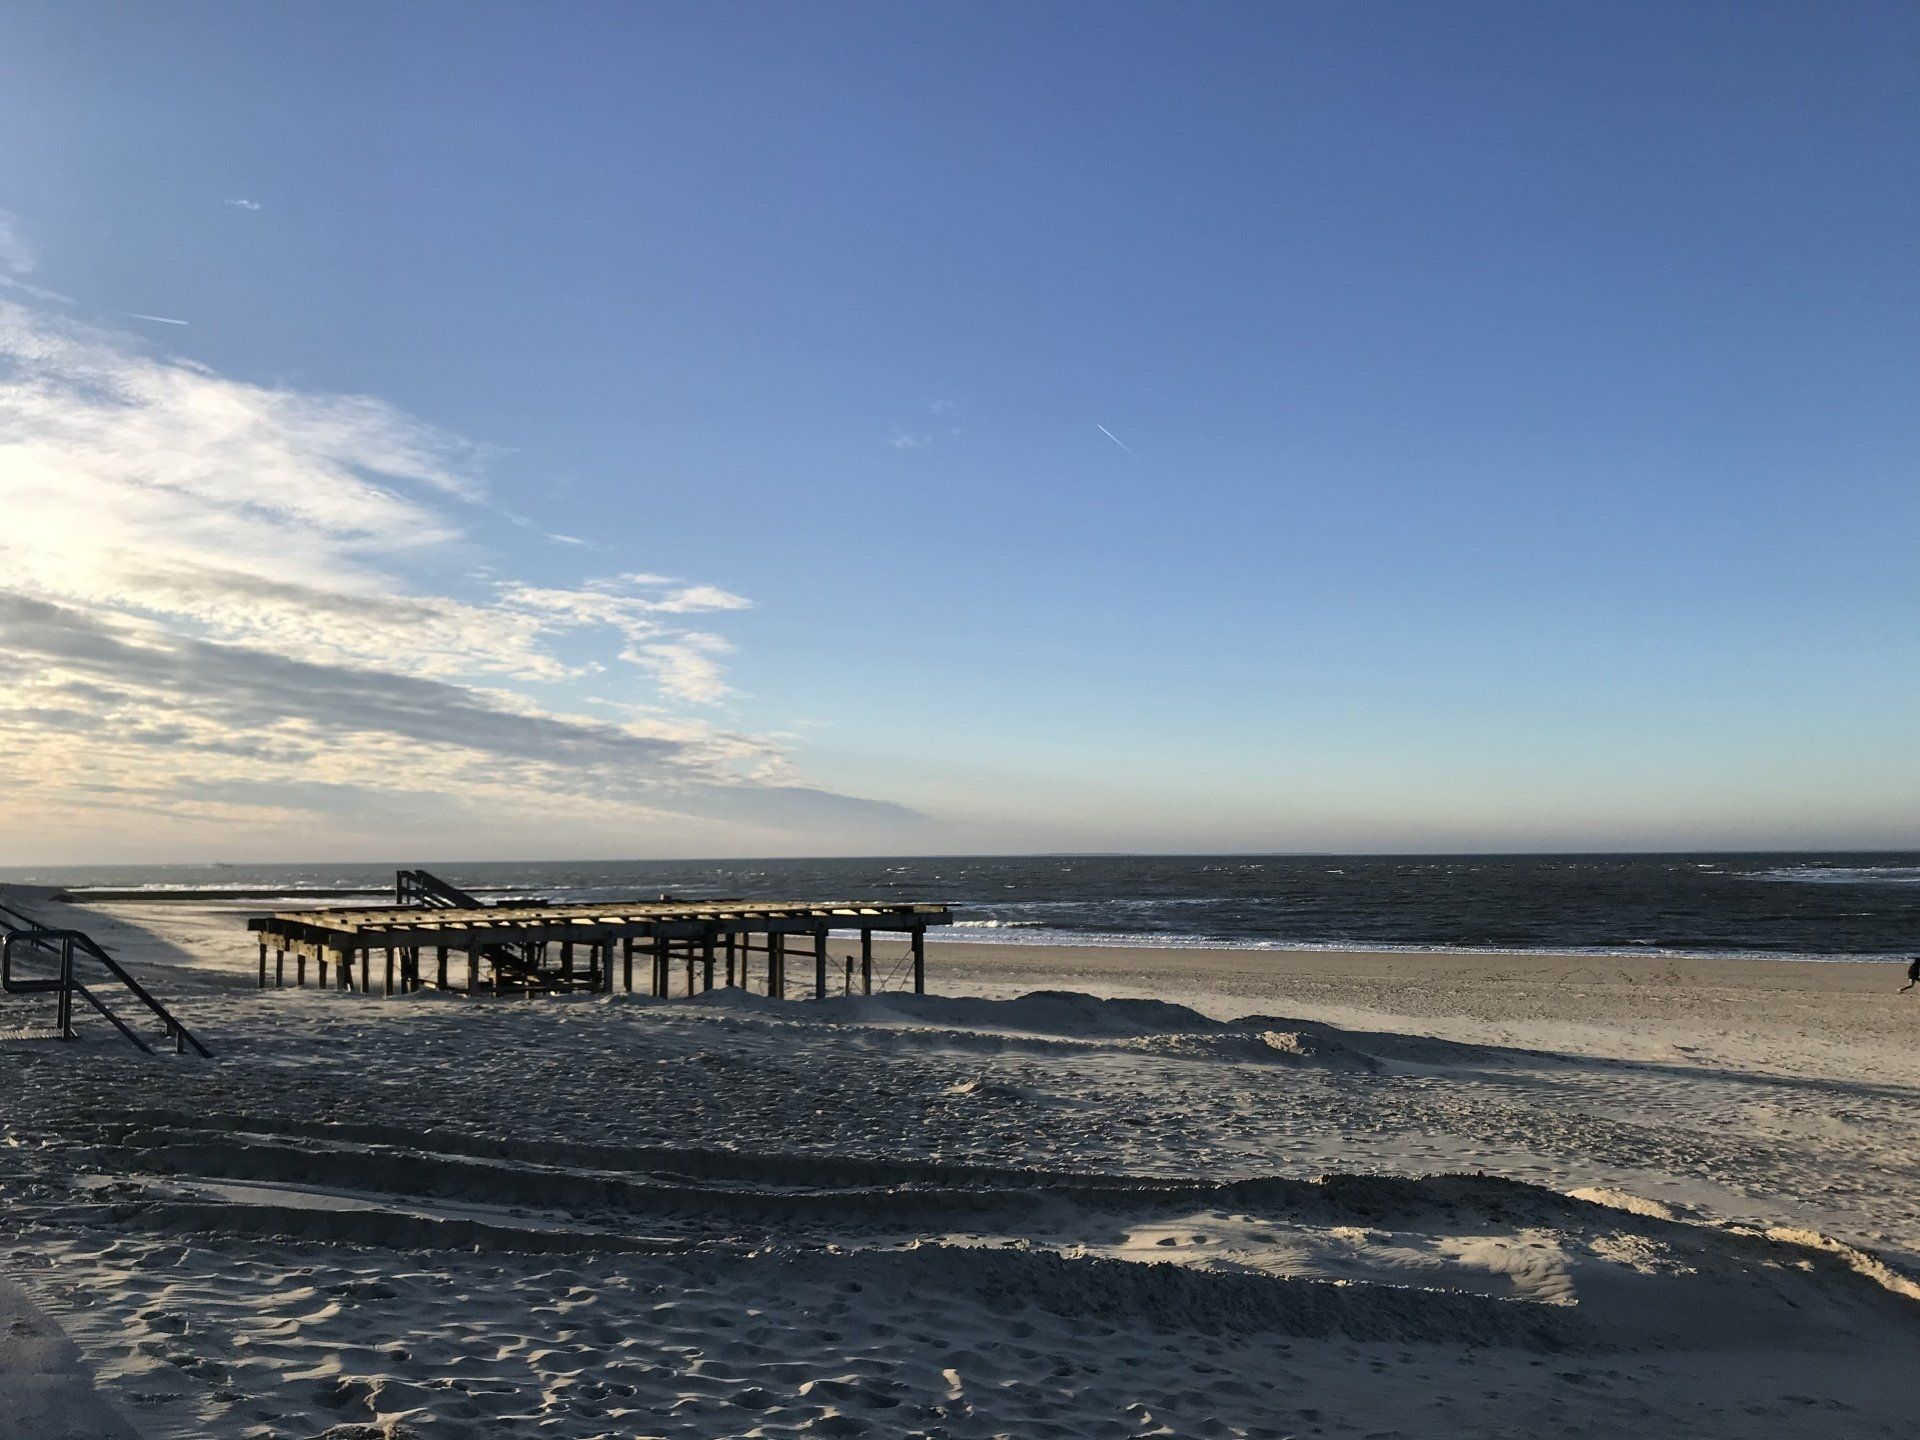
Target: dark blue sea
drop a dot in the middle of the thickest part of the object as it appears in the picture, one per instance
(1811, 906)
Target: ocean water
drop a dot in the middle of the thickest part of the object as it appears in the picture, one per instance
(1810, 906)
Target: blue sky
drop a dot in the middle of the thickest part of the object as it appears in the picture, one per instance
(1035, 426)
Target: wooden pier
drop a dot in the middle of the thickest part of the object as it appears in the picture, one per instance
(459, 944)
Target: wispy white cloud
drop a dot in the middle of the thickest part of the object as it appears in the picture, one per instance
(687, 665)
(943, 413)
(240, 204)
(18, 258)
(214, 593)
(690, 599)
(16, 255)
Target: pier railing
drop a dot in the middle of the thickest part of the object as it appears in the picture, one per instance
(70, 951)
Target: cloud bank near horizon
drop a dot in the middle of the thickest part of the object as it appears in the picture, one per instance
(228, 608)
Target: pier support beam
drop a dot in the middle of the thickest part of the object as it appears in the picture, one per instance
(520, 950)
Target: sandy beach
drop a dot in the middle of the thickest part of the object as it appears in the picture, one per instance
(933, 721)
(1076, 1192)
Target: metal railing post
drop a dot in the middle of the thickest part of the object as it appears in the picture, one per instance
(67, 948)
(66, 989)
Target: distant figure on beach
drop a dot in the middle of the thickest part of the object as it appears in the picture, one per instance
(1913, 974)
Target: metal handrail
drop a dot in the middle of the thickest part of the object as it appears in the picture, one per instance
(427, 891)
(67, 945)
(423, 888)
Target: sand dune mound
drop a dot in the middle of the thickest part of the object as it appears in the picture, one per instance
(1262, 1041)
(1064, 1014)
(1062, 1021)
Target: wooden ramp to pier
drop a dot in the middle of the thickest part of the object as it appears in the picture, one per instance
(544, 948)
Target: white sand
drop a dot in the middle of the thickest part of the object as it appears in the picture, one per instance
(1562, 1197)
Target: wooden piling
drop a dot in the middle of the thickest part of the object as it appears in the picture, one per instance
(263, 965)
(919, 960)
(820, 962)
(866, 961)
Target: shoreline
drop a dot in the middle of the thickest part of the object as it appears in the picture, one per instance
(1857, 973)
(1067, 940)
(990, 934)
(1867, 972)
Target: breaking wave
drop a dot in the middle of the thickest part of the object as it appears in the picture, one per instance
(1843, 875)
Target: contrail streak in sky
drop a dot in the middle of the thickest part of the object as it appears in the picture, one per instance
(1113, 437)
(157, 319)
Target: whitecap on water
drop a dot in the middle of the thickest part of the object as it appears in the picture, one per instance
(1843, 875)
